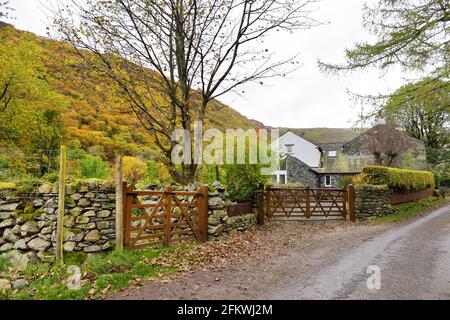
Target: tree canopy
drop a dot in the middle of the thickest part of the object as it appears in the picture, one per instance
(422, 113)
(412, 34)
(200, 49)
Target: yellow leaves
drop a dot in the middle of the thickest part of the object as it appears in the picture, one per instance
(133, 169)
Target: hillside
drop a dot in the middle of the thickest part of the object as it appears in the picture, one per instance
(94, 115)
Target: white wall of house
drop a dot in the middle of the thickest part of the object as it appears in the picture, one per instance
(302, 149)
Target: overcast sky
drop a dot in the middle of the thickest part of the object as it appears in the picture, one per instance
(308, 98)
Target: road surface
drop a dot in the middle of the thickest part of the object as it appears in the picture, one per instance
(413, 260)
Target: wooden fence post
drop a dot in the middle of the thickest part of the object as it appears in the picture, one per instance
(260, 217)
(308, 202)
(61, 200)
(167, 215)
(126, 213)
(202, 214)
(351, 203)
(119, 204)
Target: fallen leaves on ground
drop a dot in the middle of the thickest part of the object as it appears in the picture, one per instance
(248, 247)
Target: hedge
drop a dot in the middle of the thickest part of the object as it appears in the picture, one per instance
(398, 179)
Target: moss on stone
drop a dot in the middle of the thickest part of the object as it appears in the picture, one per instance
(7, 185)
(29, 209)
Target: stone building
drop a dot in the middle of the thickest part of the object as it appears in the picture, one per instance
(337, 159)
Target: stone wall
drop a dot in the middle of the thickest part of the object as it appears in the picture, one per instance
(28, 226)
(372, 201)
(300, 172)
(219, 223)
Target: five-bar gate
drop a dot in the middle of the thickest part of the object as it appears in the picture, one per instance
(306, 204)
(165, 217)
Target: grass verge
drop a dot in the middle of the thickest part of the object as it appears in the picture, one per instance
(410, 209)
(100, 274)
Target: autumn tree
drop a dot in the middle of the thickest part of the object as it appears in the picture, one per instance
(423, 116)
(166, 55)
(386, 144)
(412, 34)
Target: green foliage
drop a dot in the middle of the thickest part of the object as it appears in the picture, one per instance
(157, 173)
(398, 179)
(111, 262)
(243, 180)
(51, 176)
(439, 163)
(422, 110)
(46, 76)
(371, 187)
(410, 34)
(206, 174)
(344, 181)
(410, 209)
(94, 167)
(111, 271)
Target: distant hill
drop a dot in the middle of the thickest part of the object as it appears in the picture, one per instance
(95, 114)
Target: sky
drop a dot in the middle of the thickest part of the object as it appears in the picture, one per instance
(307, 98)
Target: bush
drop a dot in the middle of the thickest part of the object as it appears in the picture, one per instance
(398, 179)
(243, 180)
(157, 173)
(344, 181)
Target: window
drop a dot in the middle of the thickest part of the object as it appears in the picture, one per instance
(289, 148)
(327, 181)
(332, 154)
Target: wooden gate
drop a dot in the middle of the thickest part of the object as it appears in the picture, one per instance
(153, 218)
(307, 204)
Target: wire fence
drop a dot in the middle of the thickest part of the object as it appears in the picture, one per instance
(30, 168)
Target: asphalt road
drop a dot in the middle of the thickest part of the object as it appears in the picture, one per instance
(413, 260)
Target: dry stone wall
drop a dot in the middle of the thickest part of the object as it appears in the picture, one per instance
(219, 223)
(372, 201)
(28, 226)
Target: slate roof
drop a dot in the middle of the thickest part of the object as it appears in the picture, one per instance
(323, 136)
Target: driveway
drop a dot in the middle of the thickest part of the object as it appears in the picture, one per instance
(413, 260)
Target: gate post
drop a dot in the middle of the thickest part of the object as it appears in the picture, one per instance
(119, 204)
(202, 214)
(351, 203)
(126, 213)
(260, 216)
(167, 215)
(308, 202)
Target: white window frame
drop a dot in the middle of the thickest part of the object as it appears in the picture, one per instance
(328, 184)
(289, 148)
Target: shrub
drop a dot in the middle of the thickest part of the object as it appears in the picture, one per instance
(243, 180)
(344, 181)
(398, 179)
(157, 173)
